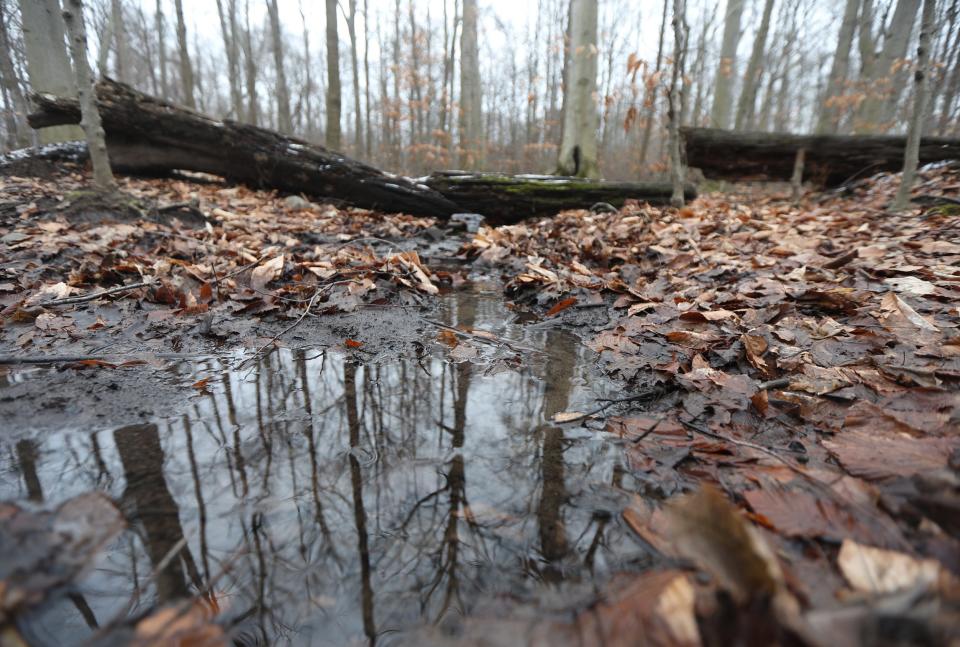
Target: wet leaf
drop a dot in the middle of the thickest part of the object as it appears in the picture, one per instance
(561, 306)
(352, 343)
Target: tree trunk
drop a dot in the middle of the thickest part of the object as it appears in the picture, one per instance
(119, 41)
(47, 64)
(911, 156)
(333, 78)
(18, 132)
(578, 146)
(355, 64)
(831, 113)
(161, 49)
(727, 68)
(148, 135)
(90, 116)
(228, 30)
(366, 77)
(284, 118)
(677, 171)
(308, 81)
(830, 159)
(751, 79)
(471, 115)
(186, 69)
(253, 102)
(879, 77)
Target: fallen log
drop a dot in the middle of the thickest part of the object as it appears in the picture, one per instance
(830, 160)
(150, 136)
(509, 198)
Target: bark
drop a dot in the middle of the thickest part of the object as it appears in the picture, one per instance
(830, 159)
(48, 67)
(471, 115)
(366, 77)
(333, 78)
(911, 156)
(879, 77)
(284, 118)
(505, 199)
(726, 69)
(578, 146)
(650, 94)
(90, 115)
(186, 69)
(308, 81)
(677, 172)
(150, 136)
(830, 113)
(751, 78)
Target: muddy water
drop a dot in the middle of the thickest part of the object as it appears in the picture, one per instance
(328, 501)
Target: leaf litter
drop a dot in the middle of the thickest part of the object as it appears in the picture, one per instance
(791, 378)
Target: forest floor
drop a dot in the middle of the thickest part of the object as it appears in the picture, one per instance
(781, 385)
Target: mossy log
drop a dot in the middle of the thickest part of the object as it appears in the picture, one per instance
(510, 198)
(830, 160)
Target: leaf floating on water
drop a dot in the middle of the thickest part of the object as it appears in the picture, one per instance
(568, 416)
(353, 343)
(201, 385)
(561, 306)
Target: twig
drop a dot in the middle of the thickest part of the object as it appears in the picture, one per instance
(744, 443)
(283, 332)
(779, 383)
(645, 395)
(96, 295)
(10, 360)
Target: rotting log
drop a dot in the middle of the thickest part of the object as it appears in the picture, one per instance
(509, 198)
(150, 136)
(830, 160)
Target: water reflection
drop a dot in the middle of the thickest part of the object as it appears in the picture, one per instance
(316, 500)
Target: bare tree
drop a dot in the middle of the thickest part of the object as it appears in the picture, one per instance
(284, 118)
(355, 66)
(912, 153)
(333, 78)
(751, 78)
(120, 54)
(186, 69)
(250, 68)
(90, 116)
(677, 172)
(228, 30)
(161, 49)
(471, 118)
(578, 147)
(830, 112)
(17, 129)
(727, 67)
(650, 94)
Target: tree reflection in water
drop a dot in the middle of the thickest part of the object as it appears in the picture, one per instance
(327, 501)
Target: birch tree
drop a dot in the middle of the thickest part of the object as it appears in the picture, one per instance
(471, 116)
(89, 115)
(578, 145)
(751, 78)
(828, 121)
(333, 78)
(920, 92)
(727, 66)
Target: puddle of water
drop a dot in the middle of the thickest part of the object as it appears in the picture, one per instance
(329, 502)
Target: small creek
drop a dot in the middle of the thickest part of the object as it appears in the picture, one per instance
(330, 501)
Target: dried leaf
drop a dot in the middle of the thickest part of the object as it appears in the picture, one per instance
(875, 570)
(266, 272)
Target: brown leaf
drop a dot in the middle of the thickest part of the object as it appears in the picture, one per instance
(266, 272)
(561, 306)
(352, 343)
